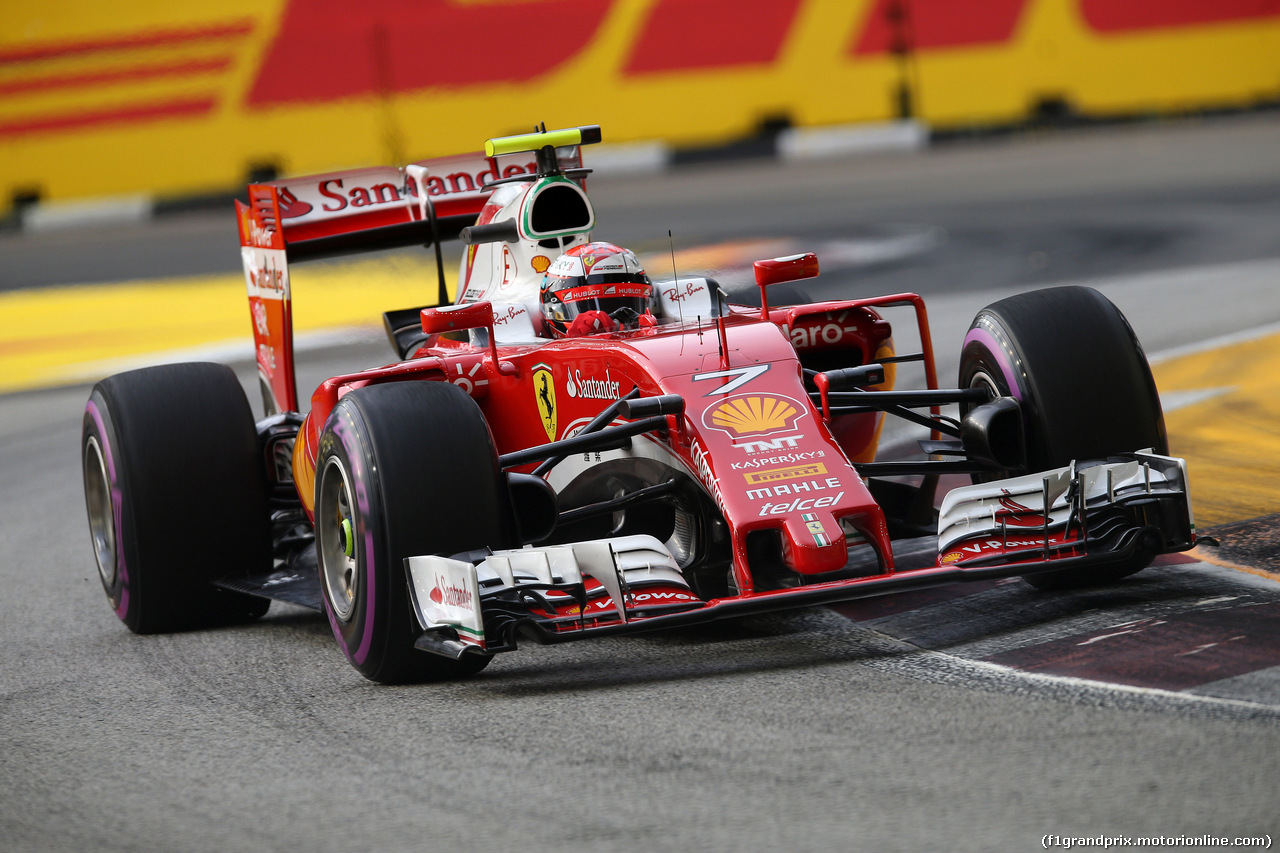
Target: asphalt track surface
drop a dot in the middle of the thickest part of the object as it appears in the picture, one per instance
(979, 718)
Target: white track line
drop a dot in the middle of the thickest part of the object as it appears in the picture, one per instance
(1219, 342)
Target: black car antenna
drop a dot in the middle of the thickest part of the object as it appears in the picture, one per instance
(680, 307)
(675, 276)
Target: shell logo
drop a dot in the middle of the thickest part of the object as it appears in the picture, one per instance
(754, 414)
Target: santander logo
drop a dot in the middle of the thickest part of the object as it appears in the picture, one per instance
(592, 388)
(450, 596)
(451, 178)
(291, 207)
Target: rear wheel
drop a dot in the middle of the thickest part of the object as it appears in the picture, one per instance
(1072, 361)
(176, 496)
(404, 469)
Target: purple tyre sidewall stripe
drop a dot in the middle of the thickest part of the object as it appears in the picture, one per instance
(988, 341)
(348, 436)
(117, 507)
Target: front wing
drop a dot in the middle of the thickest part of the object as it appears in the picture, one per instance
(1069, 519)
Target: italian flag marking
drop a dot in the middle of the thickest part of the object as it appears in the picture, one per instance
(819, 532)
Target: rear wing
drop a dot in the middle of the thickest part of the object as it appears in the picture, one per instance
(361, 210)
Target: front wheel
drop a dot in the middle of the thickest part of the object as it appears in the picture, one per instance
(404, 469)
(1072, 361)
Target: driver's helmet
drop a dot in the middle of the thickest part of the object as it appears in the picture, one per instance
(596, 287)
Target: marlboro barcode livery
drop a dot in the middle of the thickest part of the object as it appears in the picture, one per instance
(574, 449)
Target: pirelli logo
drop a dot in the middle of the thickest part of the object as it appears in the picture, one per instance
(772, 475)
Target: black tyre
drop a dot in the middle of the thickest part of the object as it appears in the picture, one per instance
(404, 469)
(1073, 362)
(176, 494)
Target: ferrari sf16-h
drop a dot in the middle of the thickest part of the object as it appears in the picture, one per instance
(571, 449)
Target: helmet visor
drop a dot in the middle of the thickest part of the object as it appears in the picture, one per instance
(570, 302)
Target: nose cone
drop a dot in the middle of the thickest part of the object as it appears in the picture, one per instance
(812, 542)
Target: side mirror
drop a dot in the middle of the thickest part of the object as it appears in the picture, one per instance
(458, 318)
(779, 270)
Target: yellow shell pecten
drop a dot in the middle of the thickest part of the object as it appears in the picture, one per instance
(747, 415)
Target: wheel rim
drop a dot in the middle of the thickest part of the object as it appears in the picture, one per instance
(983, 379)
(339, 551)
(102, 519)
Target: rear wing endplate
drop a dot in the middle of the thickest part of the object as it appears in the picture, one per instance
(340, 213)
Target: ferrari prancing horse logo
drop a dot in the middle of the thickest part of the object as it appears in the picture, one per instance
(544, 389)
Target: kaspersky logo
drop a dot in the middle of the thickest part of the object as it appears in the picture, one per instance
(753, 415)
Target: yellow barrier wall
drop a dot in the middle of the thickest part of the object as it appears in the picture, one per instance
(148, 98)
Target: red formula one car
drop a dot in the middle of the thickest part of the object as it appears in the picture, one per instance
(572, 451)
